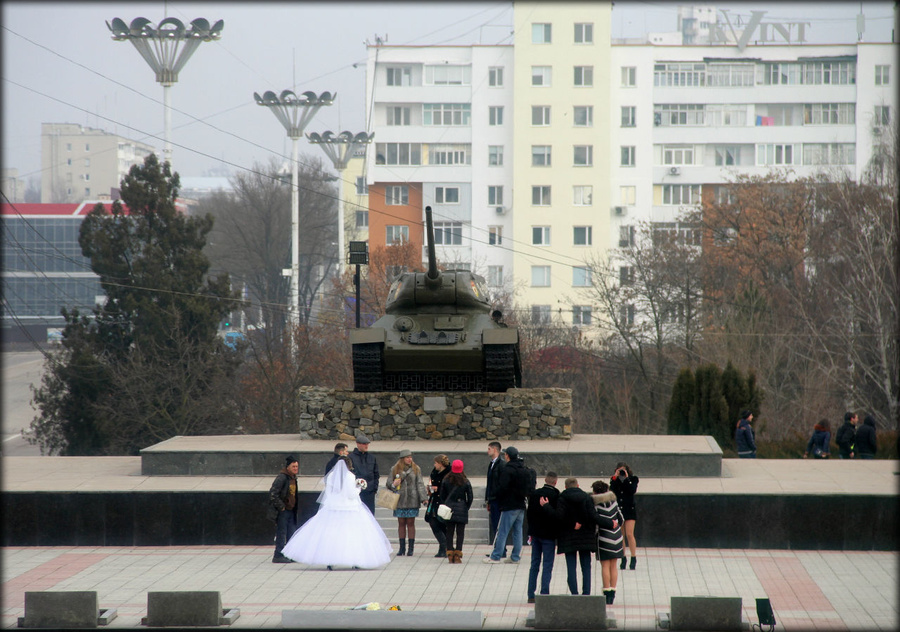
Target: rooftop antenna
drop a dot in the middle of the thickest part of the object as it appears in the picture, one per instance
(860, 23)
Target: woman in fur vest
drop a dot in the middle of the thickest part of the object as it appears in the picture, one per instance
(406, 478)
(610, 544)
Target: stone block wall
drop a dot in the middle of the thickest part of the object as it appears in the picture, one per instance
(519, 414)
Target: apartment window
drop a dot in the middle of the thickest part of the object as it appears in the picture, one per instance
(627, 156)
(446, 195)
(583, 155)
(626, 275)
(882, 115)
(396, 234)
(540, 314)
(829, 114)
(446, 114)
(540, 115)
(775, 154)
(398, 153)
(448, 233)
(449, 154)
(495, 235)
(68, 146)
(540, 276)
(540, 155)
(731, 75)
(398, 115)
(362, 219)
(626, 314)
(581, 276)
(829, 154)
(782, 74)
(495, 155)
(495, 196)
(361, 187)
(626, 236)
(730, 115)
(584, 76)
(678, 194)
(396, 195)
(584, 33)
(495, 76)
(69, 191)
(882, 75)
(583, 116)
(829, 72)
(87, 176)
(582, 195)
(87, 162)
(678, 154)
(541, 75)
(399, 75)
(629, 75)
(87, 190)
(69, 161)
(445, 75)
(495, 115)
(495, 276)
(727, 155)
(679, 114)
(629, 118)
(540, 196)
(679, 75)
(583, 235)
(581, 314)
(677, 233)
(541, 33)
(540, 235)
(628, 194)
(87, 146)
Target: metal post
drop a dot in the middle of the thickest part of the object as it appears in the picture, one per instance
(167, 118)
(356, 280)
(294, 310)
(340, 262)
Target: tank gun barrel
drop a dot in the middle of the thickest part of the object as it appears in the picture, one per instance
(433, 276)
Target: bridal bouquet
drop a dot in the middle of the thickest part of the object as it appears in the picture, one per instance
(361, 483)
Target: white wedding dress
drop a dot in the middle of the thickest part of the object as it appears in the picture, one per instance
(343, 532)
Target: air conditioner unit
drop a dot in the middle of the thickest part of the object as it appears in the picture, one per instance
(620, 210)
(500, 210)
(674, 171)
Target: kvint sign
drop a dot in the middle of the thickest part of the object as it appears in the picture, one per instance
(767, 31)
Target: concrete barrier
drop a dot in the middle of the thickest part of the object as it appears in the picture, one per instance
(64, 609)
(188, 607)
(570, 612)
(702, 612)
(382, 619)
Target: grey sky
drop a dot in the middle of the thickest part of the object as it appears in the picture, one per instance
(84, 77)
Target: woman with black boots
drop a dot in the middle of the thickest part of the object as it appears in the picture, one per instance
(610, 544)
(624, 484)
(438, 528)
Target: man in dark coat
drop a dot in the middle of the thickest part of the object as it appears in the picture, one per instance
(743, 437)
(578, 532)
(490, 490)
(866, 442)
(365, 467)
(846, 436)
(339, 450)
(283, 506)
(543, 529)
(512, 490)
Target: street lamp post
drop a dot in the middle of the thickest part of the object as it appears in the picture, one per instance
(166, 48)
(294, 113)
(340, 150)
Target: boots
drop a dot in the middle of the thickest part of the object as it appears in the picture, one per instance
(451, 556)
(610, 596)
(442, 551)
(458, 557)
(412, 544)
(624, 562)
(633, 563)
(402, 550)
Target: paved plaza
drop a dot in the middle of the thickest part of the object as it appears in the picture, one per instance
(810, 590)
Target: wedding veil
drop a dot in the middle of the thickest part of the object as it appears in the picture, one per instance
(340, 490)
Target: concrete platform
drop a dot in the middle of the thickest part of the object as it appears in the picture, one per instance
(257, 455)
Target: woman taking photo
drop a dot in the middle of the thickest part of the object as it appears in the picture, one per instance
(406, 478)
(624, 485)
(438, 528)
(456, 493)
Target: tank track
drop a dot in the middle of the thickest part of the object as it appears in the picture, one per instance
(368, 367)
(500, 368)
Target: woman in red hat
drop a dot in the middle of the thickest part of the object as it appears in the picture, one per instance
(456, 493)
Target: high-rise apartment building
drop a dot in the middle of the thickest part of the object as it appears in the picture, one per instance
(82, 163)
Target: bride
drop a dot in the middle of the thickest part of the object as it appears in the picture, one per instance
(343, 532)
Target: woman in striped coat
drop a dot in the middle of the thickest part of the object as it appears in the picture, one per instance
(610, 545)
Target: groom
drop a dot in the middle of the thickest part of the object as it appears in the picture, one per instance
(366, 467)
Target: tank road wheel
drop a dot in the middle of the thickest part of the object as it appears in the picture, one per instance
(499, 368)
(368, 367)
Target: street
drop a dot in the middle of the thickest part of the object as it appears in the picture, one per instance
(21, 369)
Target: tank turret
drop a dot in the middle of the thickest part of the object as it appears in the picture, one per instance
(437, 334)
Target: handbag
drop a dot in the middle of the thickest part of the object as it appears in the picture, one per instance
(444, 512)
(387, 498)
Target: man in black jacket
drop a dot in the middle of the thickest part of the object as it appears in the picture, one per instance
(512, 490)
(578, 533)
(845, 437)
(365, 467)
(283, 506)
(543, 529)
(339, 450)
(498, 460)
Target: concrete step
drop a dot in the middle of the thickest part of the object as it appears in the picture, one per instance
(476, 528)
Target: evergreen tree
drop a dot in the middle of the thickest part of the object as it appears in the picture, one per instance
(736, 392)
(679, 414)
(710, 410)
(160, 319)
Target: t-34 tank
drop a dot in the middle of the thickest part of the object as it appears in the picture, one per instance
(437, 335)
